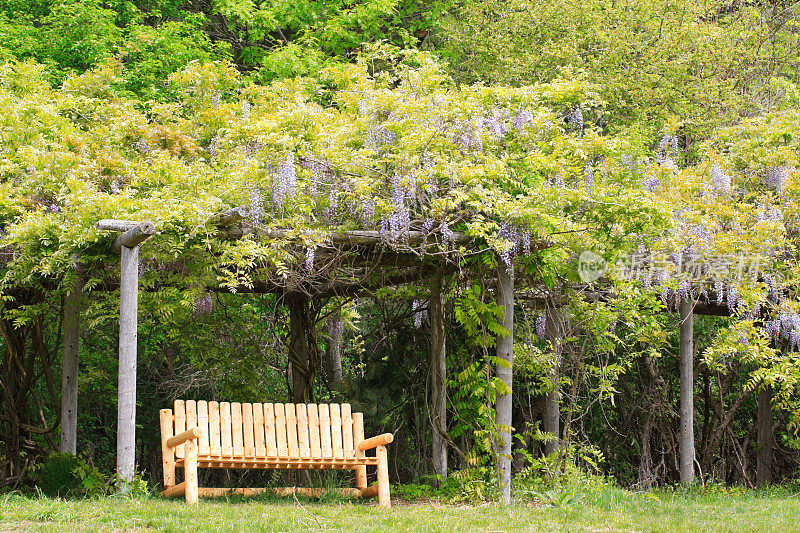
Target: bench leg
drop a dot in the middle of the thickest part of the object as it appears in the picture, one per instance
(361, 477)
(383, 477)
(190, 472)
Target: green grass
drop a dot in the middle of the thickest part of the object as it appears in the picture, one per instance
(606, 509)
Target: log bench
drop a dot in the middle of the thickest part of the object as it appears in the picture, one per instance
(268, 436)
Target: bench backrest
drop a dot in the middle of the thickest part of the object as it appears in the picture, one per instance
(255, 430)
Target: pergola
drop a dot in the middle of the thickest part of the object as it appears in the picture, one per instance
(350, 263)
(370, 263)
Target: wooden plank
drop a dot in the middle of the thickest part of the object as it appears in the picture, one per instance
(291, 430)
(325, 430)
(258, 428)
(236, 428)
(179, 408)
(280, 430)
(313, 430)
(216, 492)
(347, 431)
(336, 430)
(358, 436)
(214, 447)
(249, 430)
(330, 464)
(303, 442)
(269, 428)
(348, 462)
(203, 447)
(191, 414)
(225, 429)
(304, 463)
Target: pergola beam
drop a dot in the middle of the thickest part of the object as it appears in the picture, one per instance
(133, 237)
(232, 216)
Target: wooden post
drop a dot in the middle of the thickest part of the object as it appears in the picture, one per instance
(552, 412)
(438, 371)
(687, 391)
(505, 359)
(383, 477)
(69, 372)
(127, 245)
(764, 446)
(190, 471)
(126, 392)
(167, 453)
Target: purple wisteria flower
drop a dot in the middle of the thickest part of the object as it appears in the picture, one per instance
(310, 252)
(203, 305)
(777, 177)
(378, 137)
(721, 183)
(420, 313)
(256, 207)
(524, 120)
(684, 292)
(284, 182)
(470, 139)
(588, 173)
(540, 326)
(496, 126)
(719, 289)
(575, 119)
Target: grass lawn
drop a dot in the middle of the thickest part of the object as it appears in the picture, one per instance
(607, 509)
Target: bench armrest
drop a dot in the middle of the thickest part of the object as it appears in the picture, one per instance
(374, 442)
(189, 434)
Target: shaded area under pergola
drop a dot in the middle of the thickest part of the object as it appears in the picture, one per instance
(346, 264)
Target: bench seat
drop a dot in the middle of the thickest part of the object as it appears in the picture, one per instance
(268, 436)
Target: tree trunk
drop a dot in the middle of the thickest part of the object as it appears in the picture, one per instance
(687, 391)
(303, 348)
(438, 372)
(552, 413)
(333, 352)
(69, 373)
(764, 448)
(505, 358)
(126, 393)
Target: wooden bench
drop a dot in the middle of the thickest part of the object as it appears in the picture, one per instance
(268, 436)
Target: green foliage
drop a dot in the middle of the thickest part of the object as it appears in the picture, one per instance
(65, 475)
(475, 484)
(655, 61)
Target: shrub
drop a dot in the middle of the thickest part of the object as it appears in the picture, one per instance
(66, 475)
